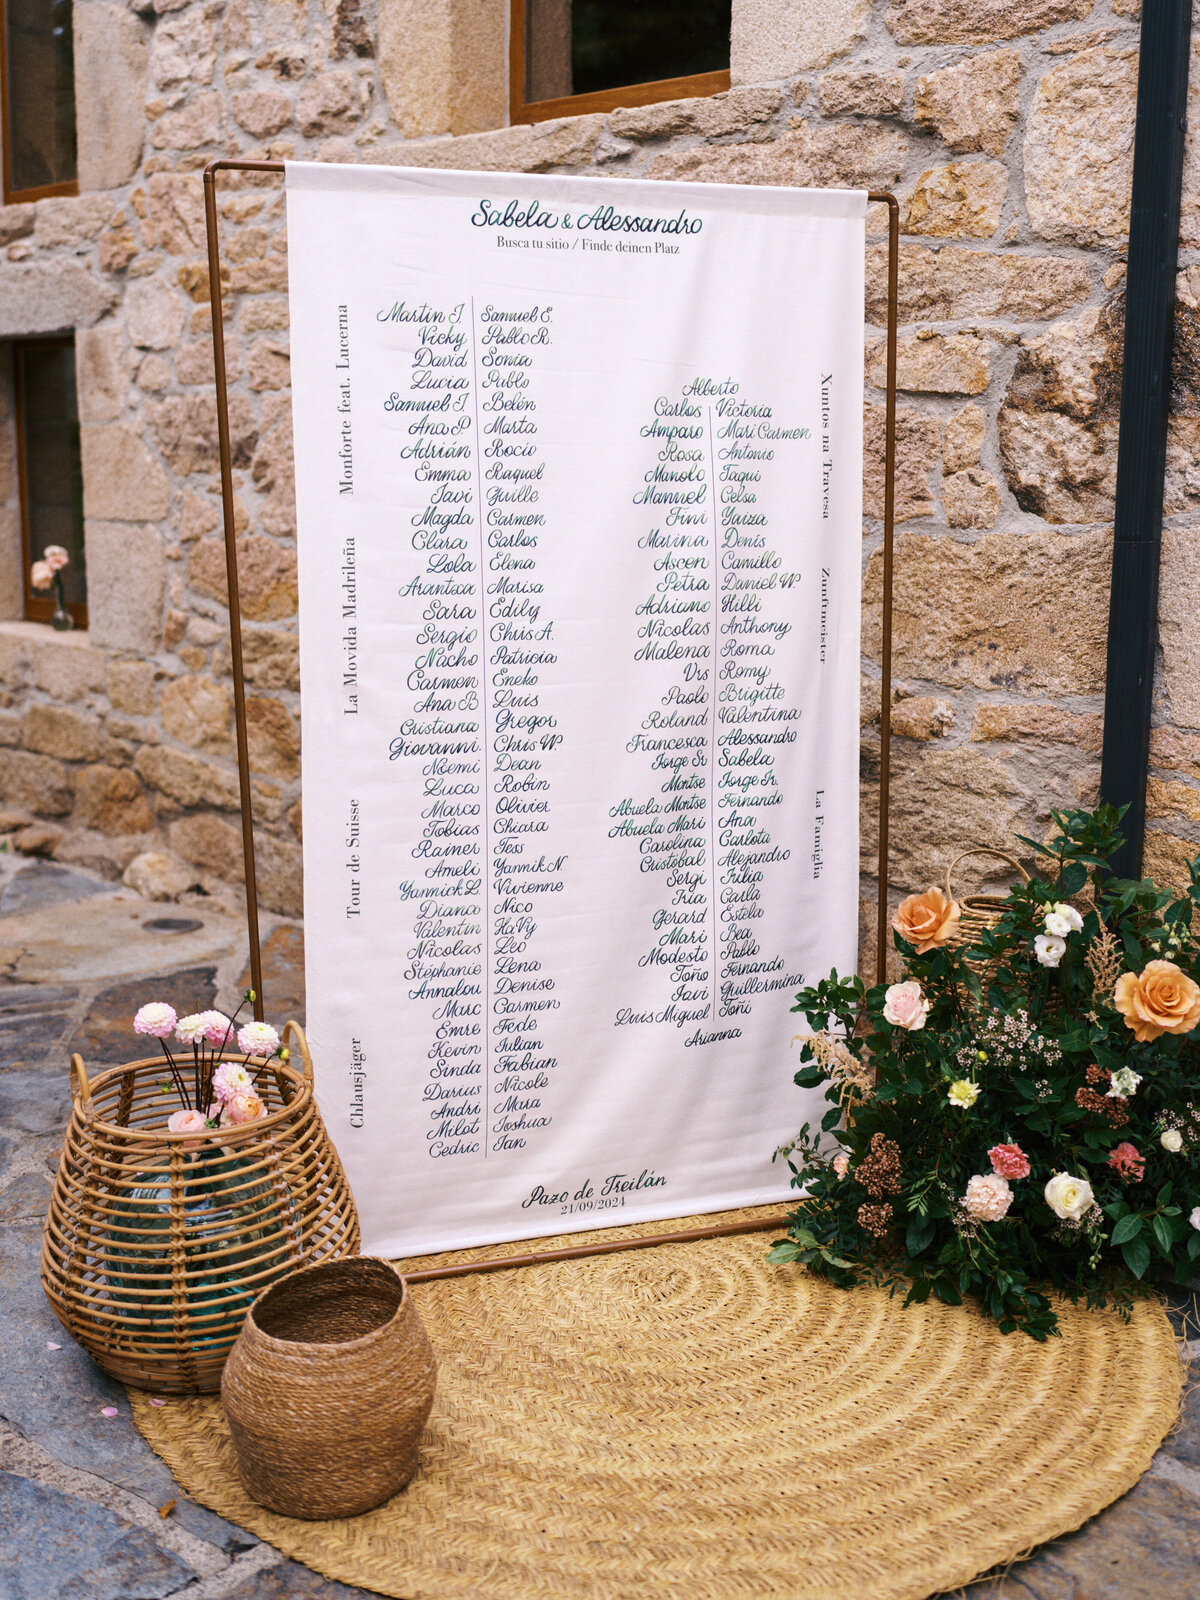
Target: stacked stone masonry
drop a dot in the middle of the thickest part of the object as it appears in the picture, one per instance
(1006, 128)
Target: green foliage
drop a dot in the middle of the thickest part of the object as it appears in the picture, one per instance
(1035, 1040)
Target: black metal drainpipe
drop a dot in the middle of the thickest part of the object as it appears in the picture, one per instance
(1145, 404)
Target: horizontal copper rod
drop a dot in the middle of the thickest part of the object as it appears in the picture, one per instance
(721, 1230)
(228, 164)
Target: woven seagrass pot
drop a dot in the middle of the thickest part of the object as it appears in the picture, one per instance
(328, 1388)
(156, 1244)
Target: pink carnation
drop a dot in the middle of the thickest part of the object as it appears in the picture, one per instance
(988, 1197)
(841, 1164)
(1127, 1163)
(41, 575)
(1009, 1161)
(155, 1019)
(56, 557)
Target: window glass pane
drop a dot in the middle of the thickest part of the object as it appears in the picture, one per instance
(581, 46)
(53, 477)
(41, 93)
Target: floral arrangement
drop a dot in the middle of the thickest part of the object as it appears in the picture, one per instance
(1021, 1111)
(47, 574)
(213, 1093)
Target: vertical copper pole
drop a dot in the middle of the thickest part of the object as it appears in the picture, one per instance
(516, 58)
(889, 515)
(231, 572)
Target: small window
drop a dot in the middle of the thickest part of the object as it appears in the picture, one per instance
(573, 56)
(50, 475)
(37, 56)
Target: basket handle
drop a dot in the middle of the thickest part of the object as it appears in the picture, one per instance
(296, 1032)
(80, 1087)
(983, 850)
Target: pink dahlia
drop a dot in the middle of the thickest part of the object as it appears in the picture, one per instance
(1009, 1161)
(217, 1028)
(190, 1029)
(156, 1019)
(231, 1079)
(258, 1039)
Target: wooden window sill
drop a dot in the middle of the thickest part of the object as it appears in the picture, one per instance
(635, 94)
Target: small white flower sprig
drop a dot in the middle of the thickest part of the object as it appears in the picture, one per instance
(214, 1093)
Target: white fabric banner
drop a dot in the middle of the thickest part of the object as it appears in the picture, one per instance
(578, 472)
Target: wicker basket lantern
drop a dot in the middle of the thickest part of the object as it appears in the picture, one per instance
(157, 1243)
(979, 913)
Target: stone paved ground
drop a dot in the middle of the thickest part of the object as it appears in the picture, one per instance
(79, 1493)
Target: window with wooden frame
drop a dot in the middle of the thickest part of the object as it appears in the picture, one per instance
(568, 57)
(37, 99)
(49, 471)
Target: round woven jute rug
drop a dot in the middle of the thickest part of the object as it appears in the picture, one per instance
(687, 1420)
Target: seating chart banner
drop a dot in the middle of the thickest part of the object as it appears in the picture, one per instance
(578, 469)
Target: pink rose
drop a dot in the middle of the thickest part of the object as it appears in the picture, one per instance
(841, 1164)
(242, 1108)
(187, 1122)
(904, 1006)
(41, 574)
(988, 1197)
(1009, 1161)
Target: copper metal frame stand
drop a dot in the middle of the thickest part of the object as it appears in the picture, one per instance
(718, 1230)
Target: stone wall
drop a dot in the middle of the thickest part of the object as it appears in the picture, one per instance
(1005, 126)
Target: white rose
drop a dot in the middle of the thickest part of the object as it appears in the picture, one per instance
(1172, 1140)
(1057, 924)
(1050, 948)
(1069, 1198)
(1194, 1219)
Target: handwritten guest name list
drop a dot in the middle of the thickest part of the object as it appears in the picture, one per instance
(578, 468)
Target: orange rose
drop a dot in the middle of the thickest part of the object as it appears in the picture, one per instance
(926, 920)
(1160, 999)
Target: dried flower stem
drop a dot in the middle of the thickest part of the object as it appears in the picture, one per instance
(1104, 962)
(855, 1078)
